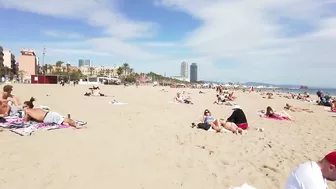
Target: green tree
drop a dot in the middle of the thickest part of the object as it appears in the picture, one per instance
(59, 63)
(125, 68)
(120, 70)
(45, 68)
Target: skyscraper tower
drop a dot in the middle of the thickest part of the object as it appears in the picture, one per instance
(184, 69)
(193, 72)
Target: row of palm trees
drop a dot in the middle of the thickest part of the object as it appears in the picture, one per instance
(124, 70)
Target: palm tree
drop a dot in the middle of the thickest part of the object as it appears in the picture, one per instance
(45, 69)
(125, 68)
(91, 70)
(120, 70)
(68, 67)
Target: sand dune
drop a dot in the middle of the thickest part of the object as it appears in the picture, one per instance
(149, 143)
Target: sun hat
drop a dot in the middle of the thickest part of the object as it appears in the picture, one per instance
(235, 107)
(331, 158)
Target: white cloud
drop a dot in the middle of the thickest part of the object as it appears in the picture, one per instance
(61, 34)
(101, 13)
(256, 35)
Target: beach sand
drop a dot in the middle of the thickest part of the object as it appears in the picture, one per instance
(149, 143)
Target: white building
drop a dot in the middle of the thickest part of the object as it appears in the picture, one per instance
(101, 70)
(184, 69)
(8, 58)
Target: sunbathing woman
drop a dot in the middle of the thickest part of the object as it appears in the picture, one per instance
(271, 114)
(296, 109)
(41, 115)
(207, 118)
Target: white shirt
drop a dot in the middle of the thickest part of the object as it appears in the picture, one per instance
(307, 176)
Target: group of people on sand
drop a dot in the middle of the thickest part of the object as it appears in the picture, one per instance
(182, 99)
(11, 105)
(236, 123)
(94, 91)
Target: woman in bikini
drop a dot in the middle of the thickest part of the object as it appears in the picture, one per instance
(207, 118)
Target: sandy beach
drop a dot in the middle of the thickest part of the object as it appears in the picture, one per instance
(149, 144)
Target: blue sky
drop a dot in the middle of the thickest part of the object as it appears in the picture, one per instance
(278, 41)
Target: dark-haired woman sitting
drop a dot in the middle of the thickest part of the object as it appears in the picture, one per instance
(41, 115)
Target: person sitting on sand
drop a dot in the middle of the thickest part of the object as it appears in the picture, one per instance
(296, 109)
(207, 118)
(314, 175)
(231, 97)
(95, 91)
(4, 109)
(41, 115)
(180, 99)
(237, 122)
(333, 106)
(220, 100)
(9, 97)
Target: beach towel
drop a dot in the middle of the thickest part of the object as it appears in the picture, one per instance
(244, 186)
(118, 103)
(18, 126)
(275, 117)
(174, 102)
(328, 109)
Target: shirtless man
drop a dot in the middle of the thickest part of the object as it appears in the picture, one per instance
(8, 96)
(41, 115)
(4, 108)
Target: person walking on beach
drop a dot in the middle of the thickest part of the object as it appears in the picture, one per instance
(41, 115)
(314, 175)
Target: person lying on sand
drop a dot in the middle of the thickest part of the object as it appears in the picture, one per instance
(201, 92)
(272, 114)
(163, 90)
(9, 97)
(207, 118)
(180, 99)
(313, 175)
(41, 115)
(237, 122)
(296, 109)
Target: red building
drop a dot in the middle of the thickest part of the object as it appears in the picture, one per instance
(44, 79)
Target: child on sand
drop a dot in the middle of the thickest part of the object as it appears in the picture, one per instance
(41, 115)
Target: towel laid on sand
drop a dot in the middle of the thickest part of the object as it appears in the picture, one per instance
(18, 126)
(118, 103)
(244, 186)
(275, 117)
